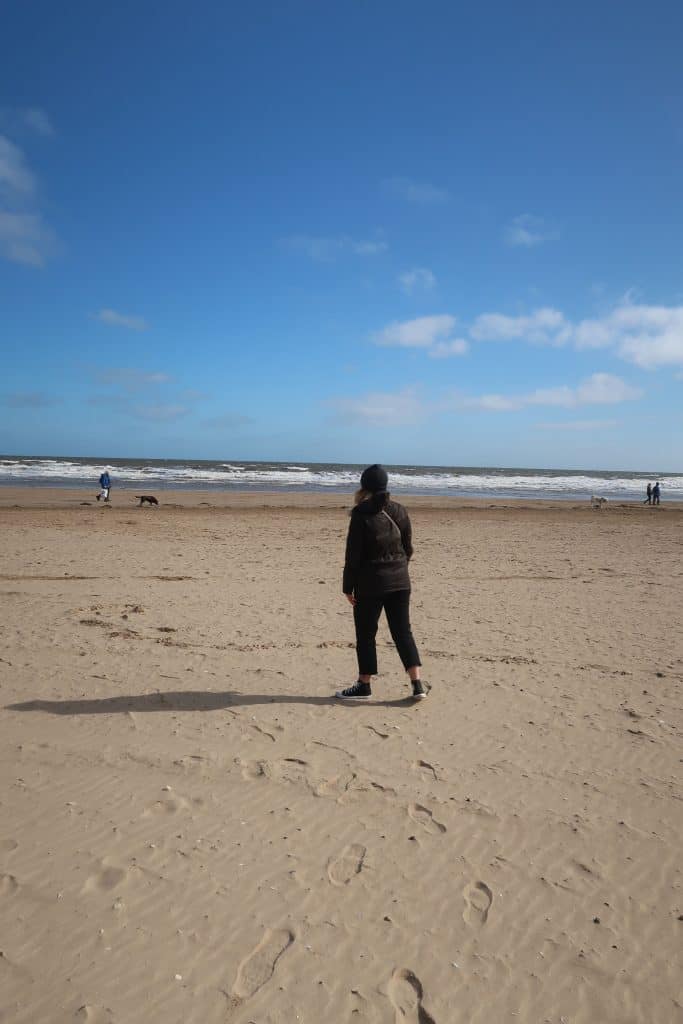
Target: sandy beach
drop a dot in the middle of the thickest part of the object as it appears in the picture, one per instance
(194, 832)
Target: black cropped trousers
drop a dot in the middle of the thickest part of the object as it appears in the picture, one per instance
(366, 613)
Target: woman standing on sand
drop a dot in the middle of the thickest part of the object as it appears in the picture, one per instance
(378, 548)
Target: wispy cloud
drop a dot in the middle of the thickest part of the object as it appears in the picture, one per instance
(528, 231)
(379, 408)
(417, 279)
(16, 179)
(26, 238)
(156, 412)
(129, 378)
(29, 400)
(193, 395)
(420, 192)
(323, 249)
(16, 120)
(579, 426)
(115, 319)
(162, 413)
(598, 389)
(433, 333)
(38, 120)
(24, 235)
(228, 421)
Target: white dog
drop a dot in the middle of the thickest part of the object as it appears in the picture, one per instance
(598, 502)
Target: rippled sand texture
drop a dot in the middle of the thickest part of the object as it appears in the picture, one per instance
(192, 832)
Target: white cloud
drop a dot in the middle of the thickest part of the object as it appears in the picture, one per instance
(598, 389)
(544, 326)
(24, 236)
(423, 332)
(39, 121)
(419, 278)
(648, 336)
(379, 408)
(432, 333)
(491, 403)
(605, 389)
(326, 249)
(444, 349)
(528, 231)
(110, 316)
(418, 192)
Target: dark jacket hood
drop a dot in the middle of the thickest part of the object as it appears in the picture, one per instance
(375, 503)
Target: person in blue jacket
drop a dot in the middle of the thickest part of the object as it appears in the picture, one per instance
(105, 484)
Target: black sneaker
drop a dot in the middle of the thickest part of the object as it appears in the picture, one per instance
(359, 691)
(419, 692)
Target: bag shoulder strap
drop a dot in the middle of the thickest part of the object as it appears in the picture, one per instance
(391, 520)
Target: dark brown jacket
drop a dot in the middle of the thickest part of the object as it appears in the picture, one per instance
(378, 548)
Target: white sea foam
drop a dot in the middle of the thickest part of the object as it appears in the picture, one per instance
(274, 476)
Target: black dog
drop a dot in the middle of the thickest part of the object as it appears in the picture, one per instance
(149, 498)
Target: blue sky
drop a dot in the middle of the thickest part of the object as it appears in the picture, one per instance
(436, 233)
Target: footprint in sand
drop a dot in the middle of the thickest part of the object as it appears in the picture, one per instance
(254, 770)
(478, 900)
(257, 968)
(378, 732)
(406, 995)
(423, 816)
(107, 877)
(170, 805)
(8, 885)
(347, 865)
(336, 786)
(292, 769)
(427, 768)
(94, 1014)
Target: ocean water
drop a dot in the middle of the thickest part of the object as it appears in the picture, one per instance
(151, 475)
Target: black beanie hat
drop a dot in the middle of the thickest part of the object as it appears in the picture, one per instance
(374, 478)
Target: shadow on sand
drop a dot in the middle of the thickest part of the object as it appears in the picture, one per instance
(184, 700)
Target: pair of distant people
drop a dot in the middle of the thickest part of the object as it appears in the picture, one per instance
(653, 494)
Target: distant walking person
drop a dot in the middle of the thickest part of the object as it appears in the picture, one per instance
(378, 549)
(105, 484)
(655, 494)
(648, 500)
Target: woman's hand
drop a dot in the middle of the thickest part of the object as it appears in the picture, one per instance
(350, 598)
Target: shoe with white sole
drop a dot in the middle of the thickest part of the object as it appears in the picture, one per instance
(359, 691)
